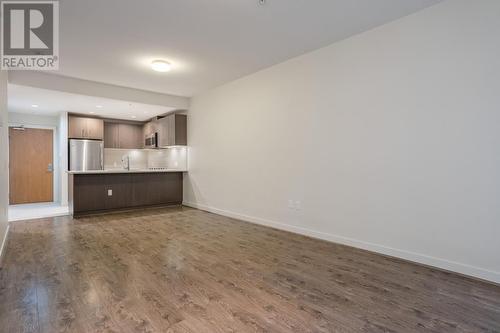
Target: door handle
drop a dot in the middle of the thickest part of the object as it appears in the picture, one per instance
(50, 167)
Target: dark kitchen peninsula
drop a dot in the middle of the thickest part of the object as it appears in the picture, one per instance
(101, 191)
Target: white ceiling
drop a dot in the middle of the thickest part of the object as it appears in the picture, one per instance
(50, 103)
(208, 42)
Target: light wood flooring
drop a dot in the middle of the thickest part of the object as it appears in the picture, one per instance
(184, 270)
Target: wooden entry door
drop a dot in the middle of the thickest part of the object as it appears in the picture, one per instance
(31, 165)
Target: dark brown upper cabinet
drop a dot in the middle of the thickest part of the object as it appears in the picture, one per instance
(123, 135)
(172, 130)
(130, 136)
(111, 135)
(85, 128)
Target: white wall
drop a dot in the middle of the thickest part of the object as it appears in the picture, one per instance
(390, 141)
(4, 159)
(63, 157)
(33, 120)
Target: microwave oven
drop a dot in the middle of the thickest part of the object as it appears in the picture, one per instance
(151, 141)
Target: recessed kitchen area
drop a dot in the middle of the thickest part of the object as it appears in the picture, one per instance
(116, 164)
(66, 139)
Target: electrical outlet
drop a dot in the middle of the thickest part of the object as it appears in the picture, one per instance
(110, 193)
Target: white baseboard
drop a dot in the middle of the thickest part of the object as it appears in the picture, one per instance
(4, 242)
(452, 266)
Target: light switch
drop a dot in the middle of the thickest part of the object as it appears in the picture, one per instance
(110, 193)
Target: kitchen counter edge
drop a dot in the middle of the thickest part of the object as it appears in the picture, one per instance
(105, 172)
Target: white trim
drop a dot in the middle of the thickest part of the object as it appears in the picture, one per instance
(55, 156)
(453, 266)
(32, 126)
(4, 241)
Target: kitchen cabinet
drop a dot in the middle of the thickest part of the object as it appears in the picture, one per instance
(76, 127)
(130, 136)
(90, 193)
(156, 188)
(123, 135)
(85, 128)
(111, 135)
(143, 194)
(95, 128)
(172, 130)
(118, 191)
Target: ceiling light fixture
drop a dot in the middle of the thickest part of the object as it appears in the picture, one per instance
(99, 106)
(34, 105)
(161, 66)
(133, 117)
(92, 112)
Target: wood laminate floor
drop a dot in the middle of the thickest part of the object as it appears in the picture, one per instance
(184, 270)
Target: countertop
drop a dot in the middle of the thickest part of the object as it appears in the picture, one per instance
(108, 171)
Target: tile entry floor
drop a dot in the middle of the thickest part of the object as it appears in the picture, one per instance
(36, 210)
(185, 270)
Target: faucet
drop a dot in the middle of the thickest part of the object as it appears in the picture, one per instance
(126, 162)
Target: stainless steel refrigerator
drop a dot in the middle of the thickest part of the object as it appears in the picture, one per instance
(86, 155)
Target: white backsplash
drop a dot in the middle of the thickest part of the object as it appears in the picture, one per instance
(113, 158)
(172, 158)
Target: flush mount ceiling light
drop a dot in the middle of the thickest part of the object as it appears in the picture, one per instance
(99, 106)
(161, 66)
(34, 105)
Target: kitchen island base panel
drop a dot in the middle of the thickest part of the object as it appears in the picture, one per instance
(124, 210)
(97, 193)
